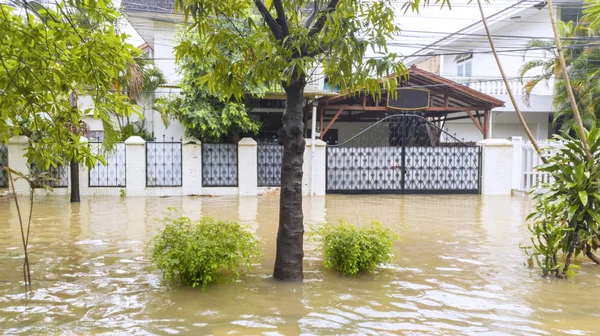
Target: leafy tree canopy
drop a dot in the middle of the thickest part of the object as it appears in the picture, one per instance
(290, 38)
(208, 116)
(45, 57)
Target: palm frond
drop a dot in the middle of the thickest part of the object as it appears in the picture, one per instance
(591, 11)
(135, 80)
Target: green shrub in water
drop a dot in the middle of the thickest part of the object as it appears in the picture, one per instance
(203, 252)
(349, 249)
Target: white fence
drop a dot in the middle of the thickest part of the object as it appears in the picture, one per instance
(526, 177)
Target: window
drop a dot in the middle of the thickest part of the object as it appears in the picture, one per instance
(464, 69)
(572, 12)
(328, 87)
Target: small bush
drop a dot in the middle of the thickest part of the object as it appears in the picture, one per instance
(350, 250)
(203, 252)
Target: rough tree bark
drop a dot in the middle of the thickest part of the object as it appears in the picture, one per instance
(576, 240)
(591, 255)
(290, 236)
(75, 182)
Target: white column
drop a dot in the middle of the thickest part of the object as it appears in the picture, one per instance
(306, 168)
(18, 162)
(496, 172)
(319, 172)
(135, 161)
(84, 176)
(247, 169)
(517, 162)
(192, 167)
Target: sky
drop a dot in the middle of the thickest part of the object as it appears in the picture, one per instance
(442, 21)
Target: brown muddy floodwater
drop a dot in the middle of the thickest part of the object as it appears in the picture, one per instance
(459, 271)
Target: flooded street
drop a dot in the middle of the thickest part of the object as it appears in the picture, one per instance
(459, 271)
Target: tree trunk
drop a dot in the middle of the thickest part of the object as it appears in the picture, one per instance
(290, 236)
(74, 182)
(591, 255)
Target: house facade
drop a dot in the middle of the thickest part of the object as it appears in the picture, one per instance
(464, 56)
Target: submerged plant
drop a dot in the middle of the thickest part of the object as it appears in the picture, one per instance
(350, 250)
(35, 180)
(565, 219)
(203, 252)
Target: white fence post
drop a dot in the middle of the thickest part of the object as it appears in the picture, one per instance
(192, 167)
(135, 167)
(319, 171)
(517, 157)
(496, 172)
(320, 167)
(247, 167)
(84, 175)
(306, 168)
(17, 161)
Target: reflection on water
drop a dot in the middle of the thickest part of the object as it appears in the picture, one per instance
(459, 271)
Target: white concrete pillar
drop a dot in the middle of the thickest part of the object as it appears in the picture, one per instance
(517, 163)
(18, 162)
(306, 168)
(84, 176)
(135, 169)
(496, 172)
(192, 167)
(320, 172)
(247, 167)
(320, 161)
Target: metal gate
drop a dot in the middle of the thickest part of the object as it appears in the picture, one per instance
(404, 153)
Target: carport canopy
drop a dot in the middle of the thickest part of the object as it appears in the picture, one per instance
(448, 100)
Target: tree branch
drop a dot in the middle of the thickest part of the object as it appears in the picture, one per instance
(318, 26)
(273, 25)
(312, 15)
(281, 18)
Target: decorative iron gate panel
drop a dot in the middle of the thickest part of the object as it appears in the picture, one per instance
(442, 169)
(3, 163)
(269, 164)
(113, 174)
(356, 169)
(403, 154)
(58, 176)
(164, 164)
(219, 165)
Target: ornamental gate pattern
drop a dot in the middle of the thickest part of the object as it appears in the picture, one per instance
(3, 163)
(269, 164)
(113, 174)
(219, 165)
(403, 154)
(164, 163)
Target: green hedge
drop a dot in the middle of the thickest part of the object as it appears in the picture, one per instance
(203, 252)
(350, 250)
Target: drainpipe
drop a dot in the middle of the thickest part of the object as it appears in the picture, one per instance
(313, 134)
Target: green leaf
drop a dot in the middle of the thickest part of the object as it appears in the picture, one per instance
(583, 197)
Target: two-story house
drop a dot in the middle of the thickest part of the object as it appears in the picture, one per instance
(465, 56)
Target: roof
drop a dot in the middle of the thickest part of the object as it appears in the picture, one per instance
(460, 97)
(152, 6)
(268, 95)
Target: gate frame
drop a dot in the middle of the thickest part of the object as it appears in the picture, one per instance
(403, 190)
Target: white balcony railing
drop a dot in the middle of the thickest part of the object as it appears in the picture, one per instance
(494, 87)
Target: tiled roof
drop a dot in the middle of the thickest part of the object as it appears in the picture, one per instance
(154, 6)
